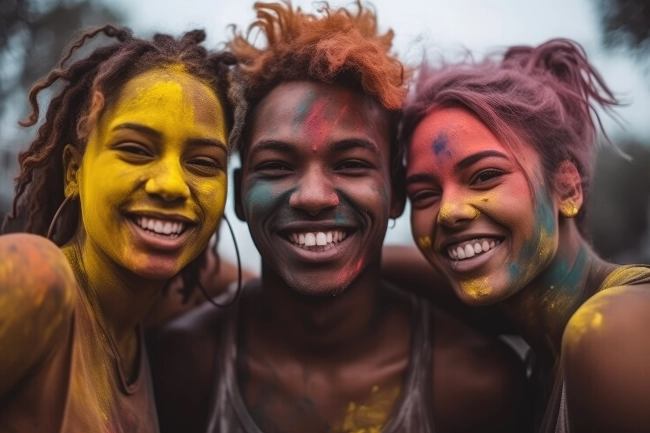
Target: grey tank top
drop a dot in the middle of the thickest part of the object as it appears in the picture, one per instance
(411, 414)
(556, 419)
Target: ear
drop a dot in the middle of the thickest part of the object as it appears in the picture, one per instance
(569, 189)
(239, 209)
(398, 194)
(71, 165)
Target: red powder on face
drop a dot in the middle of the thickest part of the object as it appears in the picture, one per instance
(317, 125)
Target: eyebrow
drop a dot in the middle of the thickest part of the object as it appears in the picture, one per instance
(474, 158)
(419, 177)
(354, 143)
(279, 146)
(157, 136)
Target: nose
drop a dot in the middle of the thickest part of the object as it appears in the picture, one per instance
(168, 181)
(455, 209)
(314, 192)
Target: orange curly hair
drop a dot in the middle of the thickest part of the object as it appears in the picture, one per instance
(337, 45)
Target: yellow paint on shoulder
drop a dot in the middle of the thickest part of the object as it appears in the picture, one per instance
(588, 318)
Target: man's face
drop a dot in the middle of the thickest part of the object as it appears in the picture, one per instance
(315, 184)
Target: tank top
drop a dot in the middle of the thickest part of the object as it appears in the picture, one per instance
(556, 418)
(413, 409)
(83, 387)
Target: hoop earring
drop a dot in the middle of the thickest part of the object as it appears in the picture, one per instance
(394, 221)
(50, 231)
(238, 291)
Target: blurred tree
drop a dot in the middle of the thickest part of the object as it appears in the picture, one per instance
(619, 207)
(33, 34)
(626, 23)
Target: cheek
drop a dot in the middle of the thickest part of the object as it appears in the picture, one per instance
(260, 197)
(211, 196)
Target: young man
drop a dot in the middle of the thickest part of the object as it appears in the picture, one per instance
(320, 343)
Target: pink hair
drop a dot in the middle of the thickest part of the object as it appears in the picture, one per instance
(542, 97)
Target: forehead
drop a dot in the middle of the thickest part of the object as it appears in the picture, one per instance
(169, 91)
(313, 115)
(453, 130)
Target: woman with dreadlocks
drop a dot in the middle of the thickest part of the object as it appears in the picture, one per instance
(128, 171)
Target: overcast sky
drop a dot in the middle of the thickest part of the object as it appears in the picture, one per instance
(447, 27)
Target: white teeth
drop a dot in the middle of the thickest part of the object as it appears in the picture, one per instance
(471, 248)
(160, 227)
(317, 238)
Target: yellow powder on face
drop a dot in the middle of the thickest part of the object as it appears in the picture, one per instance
(477, 288)
(180, 109)
(424, 242)
(447, 210)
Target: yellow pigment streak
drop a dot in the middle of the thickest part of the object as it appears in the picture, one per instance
(477, 288)
(370, 418)
(424, 242)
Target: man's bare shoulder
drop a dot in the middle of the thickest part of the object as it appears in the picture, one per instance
(183, 357)
(479, 383)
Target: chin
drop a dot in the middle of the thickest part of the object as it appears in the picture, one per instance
(315, 287)
(478, 292)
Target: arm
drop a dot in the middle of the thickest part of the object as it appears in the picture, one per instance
(405, 267)
(37, 296)
(606, 355)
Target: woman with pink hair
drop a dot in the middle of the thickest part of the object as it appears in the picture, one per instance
(500, 159)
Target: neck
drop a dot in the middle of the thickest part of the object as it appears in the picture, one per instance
(124, 297)
(333, 326)
(542, 309)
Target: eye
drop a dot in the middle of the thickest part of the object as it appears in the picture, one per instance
(424, 198)
(273, 168)
(352, 165)
(134, 149)
(486, 176)
(203, 164)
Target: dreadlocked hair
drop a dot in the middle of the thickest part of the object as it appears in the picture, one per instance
(87, 88)
(335, 46)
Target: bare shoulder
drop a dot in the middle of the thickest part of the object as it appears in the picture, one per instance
(605, 351)
(479, 383)
(37, 298)
(183, 361)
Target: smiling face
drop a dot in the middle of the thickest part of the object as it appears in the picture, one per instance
(474, 216)
(152, 181)
(315, 184)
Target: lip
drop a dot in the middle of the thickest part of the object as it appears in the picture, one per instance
(315, 226)
(308, 256)
(155, 242)
(473, 263)
(161, 215)
(456, 239)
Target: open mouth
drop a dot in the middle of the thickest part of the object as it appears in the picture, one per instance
(472, 248)
(164, 229)
(317, 240)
